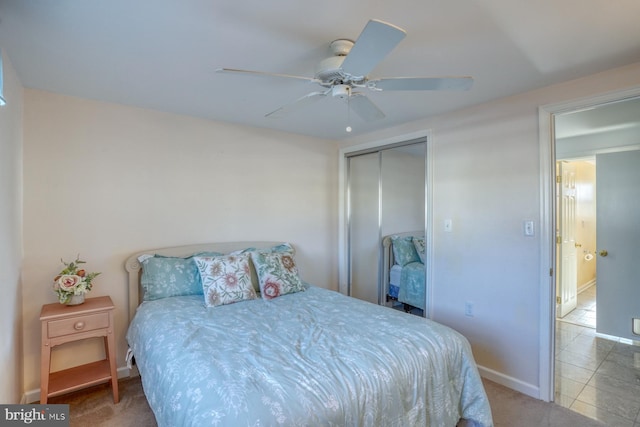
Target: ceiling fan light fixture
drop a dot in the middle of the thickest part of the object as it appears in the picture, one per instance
(341, 91)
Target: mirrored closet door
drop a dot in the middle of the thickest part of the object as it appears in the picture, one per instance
(386, 196)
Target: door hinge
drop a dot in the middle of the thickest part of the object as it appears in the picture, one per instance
(558, 179)
(557, 300)
(558, 239)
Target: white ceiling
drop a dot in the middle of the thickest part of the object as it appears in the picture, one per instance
(161, 54)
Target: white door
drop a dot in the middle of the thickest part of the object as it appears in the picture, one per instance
(618, 240)
(567, 254)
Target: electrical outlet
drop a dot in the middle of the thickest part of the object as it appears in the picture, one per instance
(468, 309)
(529, 228)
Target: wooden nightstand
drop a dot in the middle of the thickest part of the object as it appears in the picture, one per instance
(62, 324)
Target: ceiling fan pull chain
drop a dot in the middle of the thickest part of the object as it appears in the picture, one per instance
(348, 129)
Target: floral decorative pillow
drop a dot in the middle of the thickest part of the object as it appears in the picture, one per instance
(164, 277)
(404, 251)
(277, 274)
(225, 279)
(418, 242)
(282, 248)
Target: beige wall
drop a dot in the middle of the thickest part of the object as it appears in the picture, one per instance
(104, 180)
(486, 178)
(586, 226)
(11, 237)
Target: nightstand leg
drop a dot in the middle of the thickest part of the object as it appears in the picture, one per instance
(45, 365)
(110, 346)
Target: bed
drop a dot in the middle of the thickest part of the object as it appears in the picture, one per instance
(307, 357)
(403, 269)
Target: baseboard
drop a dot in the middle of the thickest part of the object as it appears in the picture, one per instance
(587, 285)
(507, 381)
(32, 396)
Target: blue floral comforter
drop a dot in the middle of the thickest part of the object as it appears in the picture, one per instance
(313, 358)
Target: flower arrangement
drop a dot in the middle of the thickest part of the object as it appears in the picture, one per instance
(72, 280)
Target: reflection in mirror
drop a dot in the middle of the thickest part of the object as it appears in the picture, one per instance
(403, 220)
(387, 197)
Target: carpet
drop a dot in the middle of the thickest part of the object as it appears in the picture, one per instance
(94, 407)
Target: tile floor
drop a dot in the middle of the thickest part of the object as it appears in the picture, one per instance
(597, 377)
(585, 312)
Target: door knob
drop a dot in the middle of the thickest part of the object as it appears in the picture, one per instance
(603, 252)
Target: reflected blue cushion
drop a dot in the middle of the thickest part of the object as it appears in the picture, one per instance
(404, 251)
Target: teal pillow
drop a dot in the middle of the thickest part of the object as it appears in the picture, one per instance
(164, 277)
(404, 251)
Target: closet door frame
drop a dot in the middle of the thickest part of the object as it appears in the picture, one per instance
(343, 232)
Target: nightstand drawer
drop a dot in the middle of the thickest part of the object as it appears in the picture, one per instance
(57, 328)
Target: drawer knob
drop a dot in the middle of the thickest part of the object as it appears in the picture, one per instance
(78, 326)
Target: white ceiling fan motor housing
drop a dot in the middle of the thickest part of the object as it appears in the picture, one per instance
(330, 69)
(341, 47)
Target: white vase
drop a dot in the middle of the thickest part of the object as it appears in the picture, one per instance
(76, 299)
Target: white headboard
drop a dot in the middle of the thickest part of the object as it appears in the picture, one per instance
(133, 267)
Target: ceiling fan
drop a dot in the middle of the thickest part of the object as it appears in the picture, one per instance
(345, 73)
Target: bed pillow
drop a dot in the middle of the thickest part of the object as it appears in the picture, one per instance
(164, 277)
(404, 251)
(419, 244)
(225, 279)
(277, 274)
(282, 248)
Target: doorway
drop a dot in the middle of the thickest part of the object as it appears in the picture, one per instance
(576, 296)
(606, 135)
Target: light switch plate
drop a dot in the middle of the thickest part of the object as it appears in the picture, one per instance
(448, 225)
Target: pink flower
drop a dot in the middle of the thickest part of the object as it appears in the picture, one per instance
(271, 289)
(68, 282)
(231, 280)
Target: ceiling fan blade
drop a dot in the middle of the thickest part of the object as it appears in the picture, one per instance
(309, 98)
(365, 108)
(374, 43)
(421, 83)
(265, 74)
